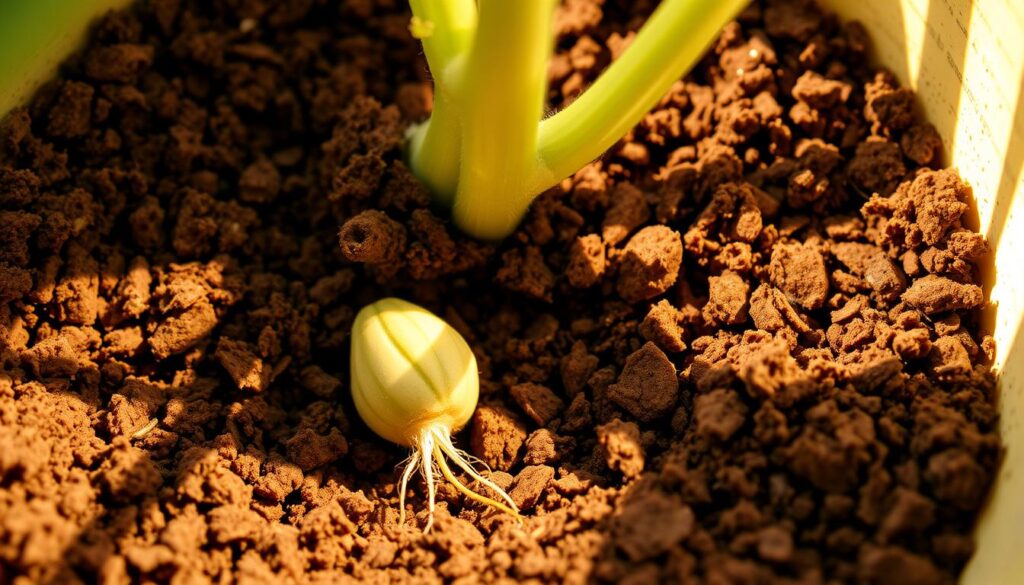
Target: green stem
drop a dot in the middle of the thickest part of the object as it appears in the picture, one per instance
(668, 45)
(434, 146)
(485, 144)
(502, 101)
(453, 23)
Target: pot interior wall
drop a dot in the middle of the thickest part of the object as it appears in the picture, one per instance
(35, 36)
(965, 60)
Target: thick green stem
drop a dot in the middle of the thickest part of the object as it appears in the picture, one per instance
(669, 44)
(485, 146)
(502, 100)
(434, 146)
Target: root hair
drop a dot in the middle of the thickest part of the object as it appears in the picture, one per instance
(432, 448)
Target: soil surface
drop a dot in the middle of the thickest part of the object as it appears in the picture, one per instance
(741, 348)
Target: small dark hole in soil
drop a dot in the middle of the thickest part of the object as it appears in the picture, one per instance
(356, 236)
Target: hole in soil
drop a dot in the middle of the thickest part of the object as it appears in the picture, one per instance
(356, 236)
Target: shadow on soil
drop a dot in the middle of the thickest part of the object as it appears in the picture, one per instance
(178, 429)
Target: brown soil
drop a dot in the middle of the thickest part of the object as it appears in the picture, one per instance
(741, 348)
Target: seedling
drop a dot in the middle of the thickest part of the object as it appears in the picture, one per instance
(487, 150)
(415, 382)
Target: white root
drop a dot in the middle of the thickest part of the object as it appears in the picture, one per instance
(433, 446)
(145, 430)
(427, 451)
(460, 458)
(410, 468)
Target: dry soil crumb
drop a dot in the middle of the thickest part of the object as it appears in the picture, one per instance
(650, 263)
(647, 387)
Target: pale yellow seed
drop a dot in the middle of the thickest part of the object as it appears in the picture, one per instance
(410, 369)
(414, 382)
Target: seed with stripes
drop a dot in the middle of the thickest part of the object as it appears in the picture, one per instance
(415, 382)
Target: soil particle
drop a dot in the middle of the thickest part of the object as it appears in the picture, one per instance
(64, 353)
(831, 457)
(205, 224)
(544, 447)
(373, 238)
(147, 224)
(77, 293)
(133, 292)
(663, 327)
(792, 19)
(497, 437)
(957, 478)
(529, 485)
(727, 299)
(650, 263)
(70, 117)
(589, 189)
(651, 523)
(14, 282)
(119, 63)
(319, 382)
(956, 257)
(819, 92)
(621, 447)
(133, 406)
(920, 211)
(628, 211)
(260, 182)
(877, 166)
(718, 414)
(775, 544)
(538, 402)
(16, 229)
(647, 387)
(181, 331)
(18, 187)
(527, 273)
(587, 262)
(910, 513)
(885, 280)
(310, 449)
(949, 357)
(892, 565)
(935, 294)
(279, 479)
(913, 344)
(812, 184)
(128, 472)
(578, 415)
(576, 368)
(922, 144)
(771, 371)
(798, 270)
(887, 107)
(721, 235)
(243, 365)
(123, 342)
(770, 310)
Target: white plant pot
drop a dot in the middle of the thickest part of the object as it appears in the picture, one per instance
(965, 60)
